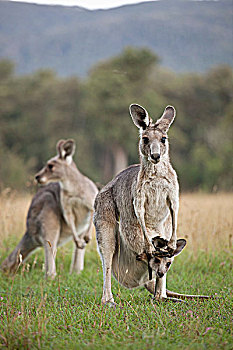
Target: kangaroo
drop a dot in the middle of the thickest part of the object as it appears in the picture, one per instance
(62, 209)
(138, 210)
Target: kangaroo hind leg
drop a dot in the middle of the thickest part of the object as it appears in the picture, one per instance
(105, 234)
(50, 233)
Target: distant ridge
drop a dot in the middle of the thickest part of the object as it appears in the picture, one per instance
(187, 35)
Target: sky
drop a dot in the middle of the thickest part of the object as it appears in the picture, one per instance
(89, 4)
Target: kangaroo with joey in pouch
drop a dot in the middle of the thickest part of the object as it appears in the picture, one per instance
(136, 214)
(62, 209)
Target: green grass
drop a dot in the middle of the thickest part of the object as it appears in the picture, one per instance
(67, 313)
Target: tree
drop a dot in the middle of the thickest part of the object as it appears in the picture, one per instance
(111, 87)
(37, 110)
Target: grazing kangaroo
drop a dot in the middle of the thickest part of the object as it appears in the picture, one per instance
(136, 213)
(60, 210)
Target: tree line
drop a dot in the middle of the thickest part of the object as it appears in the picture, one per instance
(38, 109)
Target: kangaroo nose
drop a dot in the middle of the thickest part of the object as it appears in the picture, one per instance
(155, 157)
(37, 177)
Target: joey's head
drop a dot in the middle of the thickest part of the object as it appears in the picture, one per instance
(153, 145)
(56, 168)
(160, 261)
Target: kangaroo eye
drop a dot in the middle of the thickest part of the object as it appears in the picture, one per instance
(168, 264)
(50, 166)
(145, 140)
(163, 139)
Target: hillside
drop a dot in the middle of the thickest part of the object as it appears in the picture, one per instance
(187, 35)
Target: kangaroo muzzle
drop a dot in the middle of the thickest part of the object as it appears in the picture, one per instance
(40, 179)
(154, 153)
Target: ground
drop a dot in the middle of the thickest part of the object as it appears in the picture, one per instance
(67, 313)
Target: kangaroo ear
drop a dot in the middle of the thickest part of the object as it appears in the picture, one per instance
(59, 148)
(140, 116)
(180, 244)
(66, 149)
(167, 119)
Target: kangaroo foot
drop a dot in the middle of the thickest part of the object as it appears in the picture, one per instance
(167, 299)
(110, 303)
(187, 296)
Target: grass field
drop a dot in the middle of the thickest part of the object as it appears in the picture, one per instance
(67, 314)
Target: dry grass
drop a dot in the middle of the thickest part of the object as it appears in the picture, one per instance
(206, 220)
(13, 212)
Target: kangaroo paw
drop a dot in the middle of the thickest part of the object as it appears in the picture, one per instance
(80, 243)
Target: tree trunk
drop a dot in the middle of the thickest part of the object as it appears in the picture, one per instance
(120, 159)
(107, 166)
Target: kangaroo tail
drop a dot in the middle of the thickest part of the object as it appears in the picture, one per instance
(19, 254)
